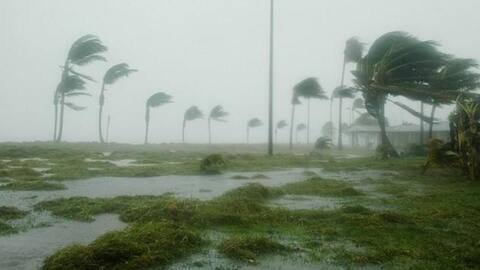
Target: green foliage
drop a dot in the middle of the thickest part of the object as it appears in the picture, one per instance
(218, 113)
(309, 88)
(158, 99)
(249, 247)
(254, 122)
(213, 164)
(85, 50)
(301, 127)
(344, 92)
(6, 229)
(281, 124)
(323, 143)
(321, 187)
(193, 113)
(416, 150)
(116, 72)
(9, 213)
(31, 185)
(353, 50)
(139, 247)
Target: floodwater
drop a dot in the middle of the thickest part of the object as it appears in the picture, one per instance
(44, 234)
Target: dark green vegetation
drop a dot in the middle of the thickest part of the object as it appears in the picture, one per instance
(248, 247)
(408, 220)
(32, 185)
(6, 214)
(138, 247)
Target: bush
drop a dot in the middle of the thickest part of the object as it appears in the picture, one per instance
(248, 248)
(213, 164)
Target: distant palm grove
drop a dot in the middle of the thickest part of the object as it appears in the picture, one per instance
(396, 64)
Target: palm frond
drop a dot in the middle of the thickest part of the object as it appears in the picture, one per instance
(218, 113)
(116, 72)
(281, 124)
(254, 122)
(344, 92)
(159, 99)
(193, 113)
(353, 50)
(71, 83)
(74, 107)
(301, 127)
(413, 112)
(309, 88)
(86, 49)
(83, 76)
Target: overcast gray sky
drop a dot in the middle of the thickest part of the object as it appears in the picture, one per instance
(203, 52)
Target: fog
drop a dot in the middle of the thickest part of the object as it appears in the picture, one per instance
(202, 53)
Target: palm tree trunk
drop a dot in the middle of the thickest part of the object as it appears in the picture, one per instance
(62, 111)
(340, 104)
(147, 124)
(422, 128)
(276, 135)
(331, 118)
(183, 130)
(209, 131)
(308, 121)
(56, 123)
(385, 141)
(292, 118)
(248, 135)
(101, 102)
(432, 115)
(107, 138)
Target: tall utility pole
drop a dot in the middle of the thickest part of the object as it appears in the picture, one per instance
(270, 89)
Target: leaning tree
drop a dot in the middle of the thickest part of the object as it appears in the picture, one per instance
(252, 123)
(280, 125)
(84, 50)
(112, 75)
(308, 89)
(295, 101)
(216, 114)
(191, 114)
(156, 100)
(342, 92)
(397, 64)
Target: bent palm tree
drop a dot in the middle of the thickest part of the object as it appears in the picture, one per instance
(191, 114)
(397, 64)
(342, 92)
(295, 101)
(83, 51)
(309, 88)
(252, 123)
(300, 127)
(280, 125)
(157, 99)
(112, 75)
(216, 114)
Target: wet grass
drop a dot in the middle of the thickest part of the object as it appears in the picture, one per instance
(32, 185)
(9, 213)
(249, 247)
(435, 228)
(140, 246)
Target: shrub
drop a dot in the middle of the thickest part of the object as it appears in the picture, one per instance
(213, 164)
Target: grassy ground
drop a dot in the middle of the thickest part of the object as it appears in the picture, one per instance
(7, 214)
(400, 220)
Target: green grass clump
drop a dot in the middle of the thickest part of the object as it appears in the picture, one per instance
(6, 229)
(9, 213)
(240, 177)
(249, 248)
(138, 247)
(23, 173)
(321, 187)
(31, 185)
(259, 176)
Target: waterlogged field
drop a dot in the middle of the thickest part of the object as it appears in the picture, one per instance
(87, 206)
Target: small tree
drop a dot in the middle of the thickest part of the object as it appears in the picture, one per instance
(216, 114)
(191, 114)
(300, 127)
(280, 125)
(156, 100)
(112, 75)
(252, 123)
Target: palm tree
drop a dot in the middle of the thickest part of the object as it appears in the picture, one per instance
(456, 75)
(300, 127)
(352, 54)
(252, 123)
(342, 92)
(397, 64)
(280, 125)
(309, 88)
(295, 101)
(83, 51)
(327, 129)
(270, 84)
(112, 75)
(155, 100)
(216, 114)
(191, 114)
